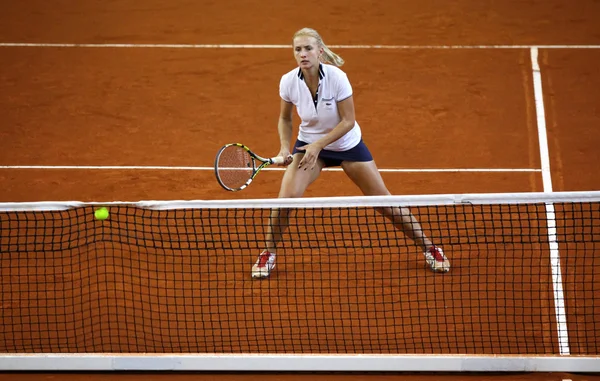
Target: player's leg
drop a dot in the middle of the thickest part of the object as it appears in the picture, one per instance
(293, 185)
(367, 177)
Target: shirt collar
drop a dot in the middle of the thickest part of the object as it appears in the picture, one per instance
(321, 72)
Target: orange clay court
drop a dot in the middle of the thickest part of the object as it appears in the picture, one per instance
(425, 111)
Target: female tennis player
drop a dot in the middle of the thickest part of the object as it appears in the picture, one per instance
(328, 136)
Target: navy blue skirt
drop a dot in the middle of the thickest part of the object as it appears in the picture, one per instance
(360, 152)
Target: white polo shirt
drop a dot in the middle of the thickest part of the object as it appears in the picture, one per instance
(318, 121)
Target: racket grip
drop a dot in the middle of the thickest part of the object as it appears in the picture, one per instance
(280, 160)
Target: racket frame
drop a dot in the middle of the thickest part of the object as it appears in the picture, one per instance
(264, 162)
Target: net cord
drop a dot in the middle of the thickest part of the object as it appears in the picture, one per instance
(320, 202)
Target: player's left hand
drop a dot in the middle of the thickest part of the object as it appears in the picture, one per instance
(311, 154)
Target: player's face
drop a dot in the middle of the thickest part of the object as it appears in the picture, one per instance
(307, 52)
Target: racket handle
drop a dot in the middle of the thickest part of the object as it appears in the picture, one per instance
(280, 160)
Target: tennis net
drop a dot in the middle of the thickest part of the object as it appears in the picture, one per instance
(173, 277)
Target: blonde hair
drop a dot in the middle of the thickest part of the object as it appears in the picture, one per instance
(328, 56)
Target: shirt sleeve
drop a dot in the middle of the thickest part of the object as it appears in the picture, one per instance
(284, 89)
(343, 87)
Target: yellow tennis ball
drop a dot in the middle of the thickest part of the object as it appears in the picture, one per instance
(101, 213)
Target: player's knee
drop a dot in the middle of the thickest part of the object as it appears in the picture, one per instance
(292, 190)
(294, 193)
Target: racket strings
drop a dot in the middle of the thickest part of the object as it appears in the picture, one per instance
(235, 167)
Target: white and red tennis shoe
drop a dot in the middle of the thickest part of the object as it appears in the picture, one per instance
(264, 265)
(436, 260)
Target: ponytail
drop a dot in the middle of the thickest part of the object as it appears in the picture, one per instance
(331, 57)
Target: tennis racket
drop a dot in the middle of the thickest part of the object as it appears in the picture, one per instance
(236, 166)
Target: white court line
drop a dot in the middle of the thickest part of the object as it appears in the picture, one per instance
(276, 46)
(557, 283)
(541, 121)
(175, 168)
